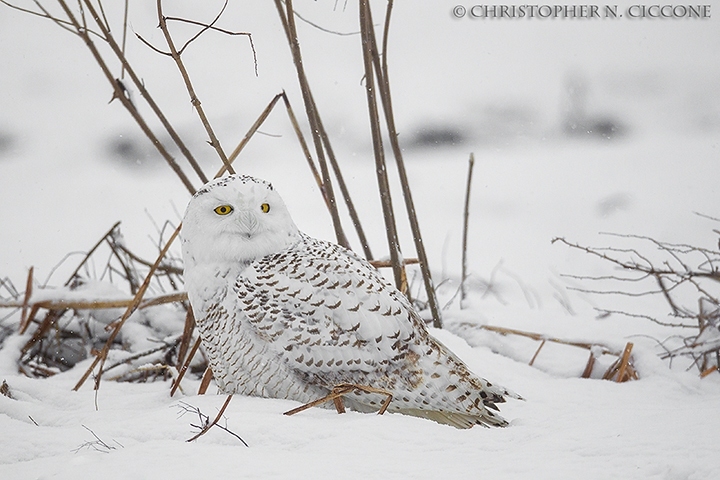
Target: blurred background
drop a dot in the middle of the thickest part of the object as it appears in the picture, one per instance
(578, 126)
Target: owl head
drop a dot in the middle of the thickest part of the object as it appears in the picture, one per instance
(236, 218)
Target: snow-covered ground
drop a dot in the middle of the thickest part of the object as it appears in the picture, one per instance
(503, 90)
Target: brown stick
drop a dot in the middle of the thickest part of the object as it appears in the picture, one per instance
(381, 72)
(90, 252)
(205, 382)
(387, 263)
(541, 337)
(120, 54)
(589, 366)
(24, 322)
(181, 373)
(100, 304)
(624, 362)
(194, 100)
(537, 352)
(102, 356)
(120, 95)
(466, 217)
(379, 152)
(188, 329)
(217, 419)
(287, 18)
(339, 391)
(50, 318)
(260, 120)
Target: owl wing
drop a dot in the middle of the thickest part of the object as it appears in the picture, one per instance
(329, 315)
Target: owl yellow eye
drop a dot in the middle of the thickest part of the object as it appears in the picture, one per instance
(265, 207)
(223, 209)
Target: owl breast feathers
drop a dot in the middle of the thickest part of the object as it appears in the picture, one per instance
(283, 315)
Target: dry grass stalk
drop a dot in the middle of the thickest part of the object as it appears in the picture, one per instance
(623, 362)
(208, 426)
(102, 355)
(388, 263)
(65, 304)
(194, 100)
(542, 337)
(537, 352)
(51, 317)
(205, 382)
(379, 152)
(288, 21)
(321, 141)
(383, 82)
(336, 397)
(188, 330)
(466, 216)
(622, 370)
(140, 85)
(120, 94)
(589, 366)
(24, 320)
(184, 368)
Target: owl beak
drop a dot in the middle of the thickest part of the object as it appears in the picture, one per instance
(248, 223)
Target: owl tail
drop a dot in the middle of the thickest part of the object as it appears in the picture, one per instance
(458, 420)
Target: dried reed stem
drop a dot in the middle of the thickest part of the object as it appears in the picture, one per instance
(379, 152)
(205, 382)
(188, 329)
(119, 93)
(24, 322)
(288, 21)
(183, 369)
(466, 216)
(537, 352)
(102, 356)
(624, 362)
(589, 366)
(304, 146)
(215, 421)
(194, 100)
(542, 337)
(140, 85)
(62, 303)
(381, 72)
(255, 126)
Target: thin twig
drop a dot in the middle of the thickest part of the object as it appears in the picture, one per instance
(466, 216)
(216, 29)
(194, 100)
(287, 19)
(381, 72)
(102, 355)
(255, 126)
(118, 88)
(215, 421)
(184, 368)
(64, 303)
(24, 320)
(379, 153)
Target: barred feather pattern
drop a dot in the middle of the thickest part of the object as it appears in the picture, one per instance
(295, 323)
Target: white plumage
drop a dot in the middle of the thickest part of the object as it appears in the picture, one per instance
(284, 315)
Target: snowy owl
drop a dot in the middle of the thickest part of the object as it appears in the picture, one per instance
(284, 315)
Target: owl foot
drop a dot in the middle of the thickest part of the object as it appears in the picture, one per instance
(336, 396)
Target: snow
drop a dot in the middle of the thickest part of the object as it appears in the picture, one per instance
(503, 85)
